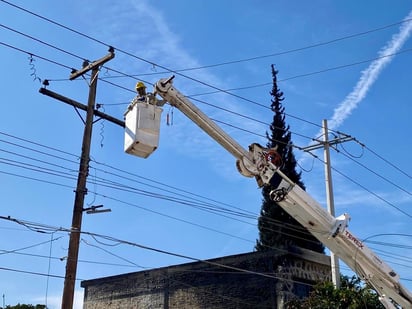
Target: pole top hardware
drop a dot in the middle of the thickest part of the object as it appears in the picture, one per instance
(94, 210)
(90, 66)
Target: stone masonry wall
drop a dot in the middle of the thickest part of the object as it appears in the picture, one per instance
(202, 286)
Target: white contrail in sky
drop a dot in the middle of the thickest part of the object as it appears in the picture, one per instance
(369, 76)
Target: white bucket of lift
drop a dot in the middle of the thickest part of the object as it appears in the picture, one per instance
(142, 126)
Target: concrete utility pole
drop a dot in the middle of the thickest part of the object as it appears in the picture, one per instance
(334, 260)
(81, 190)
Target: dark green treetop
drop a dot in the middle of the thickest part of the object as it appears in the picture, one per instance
(277, 229)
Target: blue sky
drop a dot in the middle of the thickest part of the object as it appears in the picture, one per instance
(333, 61)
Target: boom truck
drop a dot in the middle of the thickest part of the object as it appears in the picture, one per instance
(142, 137)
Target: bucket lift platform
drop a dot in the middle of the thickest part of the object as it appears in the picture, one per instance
(142, 122)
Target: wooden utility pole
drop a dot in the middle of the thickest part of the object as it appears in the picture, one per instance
(334, 260)
(81, 189)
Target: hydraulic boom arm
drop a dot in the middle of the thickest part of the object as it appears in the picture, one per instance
(263, 163)
(258, 162)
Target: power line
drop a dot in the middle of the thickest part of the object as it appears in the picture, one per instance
(34, 273)
(350, 36)
(127, 89)
(364, 188)
(378, 175)
(196, 80)
(218, 212)
(39, 226)
(297, 49)
(27, 247)
(131, 263)
(42, 42)
(38, 230)
(197, 201)
(208, 207)
(219, 90)
(339, 67)
(373, 193)
(60, 258)
(32, 54)
(215, 209)
(224, 212)
(387, 162)
(211, 210)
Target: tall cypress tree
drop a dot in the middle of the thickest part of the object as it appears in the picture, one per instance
(277, 229)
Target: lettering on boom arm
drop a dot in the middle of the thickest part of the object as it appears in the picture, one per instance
(354, 239)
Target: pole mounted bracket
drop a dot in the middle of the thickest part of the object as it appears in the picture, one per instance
(91, 66)
(95, 209)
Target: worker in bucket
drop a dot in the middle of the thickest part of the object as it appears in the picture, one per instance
(141, 92)
(144, 97)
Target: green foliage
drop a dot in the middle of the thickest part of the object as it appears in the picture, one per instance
(351, 295)
(277, 229)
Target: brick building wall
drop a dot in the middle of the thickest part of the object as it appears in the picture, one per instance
(201, 285)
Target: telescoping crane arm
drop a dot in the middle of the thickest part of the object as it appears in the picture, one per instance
(263, 163)
(258, 162)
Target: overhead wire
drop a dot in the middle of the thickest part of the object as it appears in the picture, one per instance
(348, 156)
(285, 232)
(37, 226)
(130, 90)
(373, 193)
(191, 78)
(391, 204)
(390, 163)
(245, 117)
(37, 230)
(128, 75)
(218, 121)
(204, 102)
(390, 244)
(2, 252)
(378, 175)
(28, 272)
(407, 50)
(173, 280)
(49, 45)
(385, 201)
(36, 55)
(290, 229)
(131, 263)
(294, 50)
(100, 170)
(285, 227)
(395, 259)
(297, 49)
(207, 206)
(204, 207)
(403, 172)
(42, 42)
(60, 258)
